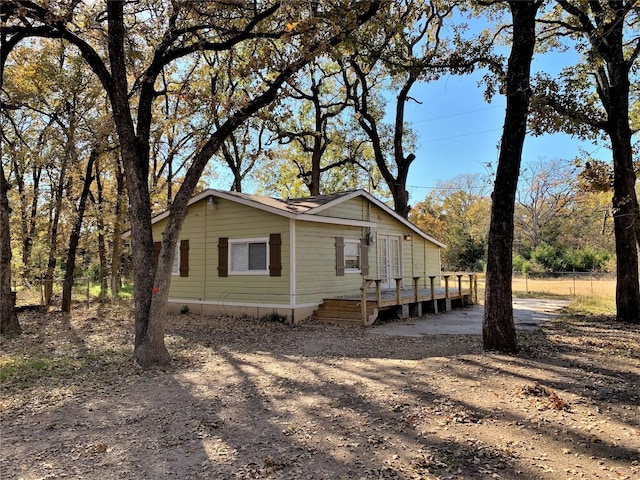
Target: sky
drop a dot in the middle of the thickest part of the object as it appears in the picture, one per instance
(459, 132)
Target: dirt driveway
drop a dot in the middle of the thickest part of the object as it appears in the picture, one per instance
(528, 313)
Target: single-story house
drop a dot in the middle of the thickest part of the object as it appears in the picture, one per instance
(241, 254)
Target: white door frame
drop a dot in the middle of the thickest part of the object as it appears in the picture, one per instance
(389, 253)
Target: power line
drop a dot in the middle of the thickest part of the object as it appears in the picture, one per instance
(462, 135)
(458, 114)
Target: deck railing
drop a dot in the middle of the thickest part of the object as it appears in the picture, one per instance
(418, 291)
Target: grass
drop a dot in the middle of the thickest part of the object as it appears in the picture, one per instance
(589, 297)
(33, 295)
(596, 306)
(22, 371)
(567, 287)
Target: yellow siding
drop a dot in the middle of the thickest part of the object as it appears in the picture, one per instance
(203, 228)
(316, 262)
(236, 221)
(353, 209)
(420, 256)
(315, 254)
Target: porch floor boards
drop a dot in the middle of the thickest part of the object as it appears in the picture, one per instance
(347, 309)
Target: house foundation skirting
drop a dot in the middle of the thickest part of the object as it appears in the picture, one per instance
(294, 313)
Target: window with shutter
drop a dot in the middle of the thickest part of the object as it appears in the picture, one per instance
(248, 257)
(175, 268)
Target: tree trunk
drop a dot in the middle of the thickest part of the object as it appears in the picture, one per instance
(614, 95)
(149, 347)
(116, 250)
(626, 217)
(102, 248)
(67, 286)
(9, 323)
(53, 234)
(498, 328)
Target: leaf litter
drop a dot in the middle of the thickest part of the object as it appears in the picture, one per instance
(245, 398)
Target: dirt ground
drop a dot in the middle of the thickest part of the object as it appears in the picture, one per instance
(251, 399)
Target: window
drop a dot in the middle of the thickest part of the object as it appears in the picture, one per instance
(248, 257)
(175, 269)
(352, 256)
(180, 257)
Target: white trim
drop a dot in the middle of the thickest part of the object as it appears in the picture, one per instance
(310, 215)
(357, 243)
(247, 241)
(242, 304)
(334, 202)
(335, 220)
(292, 261)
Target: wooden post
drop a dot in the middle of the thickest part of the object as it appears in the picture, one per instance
(378, 292)
(471, 275)
(416, 288)
(459, 283)
(447, 300)
(398, 295)
(475, 288)
(363, 300)
(433, 289)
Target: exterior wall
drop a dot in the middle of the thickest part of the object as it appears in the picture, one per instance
(314, 250)
(316, 262)
(420, 257)
(192, 230)
(355, 209)
(203, 226)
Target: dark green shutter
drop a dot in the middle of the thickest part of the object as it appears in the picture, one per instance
(275, 255)
(364, 257)
(223, 257)
(184, 258)
(339, 256)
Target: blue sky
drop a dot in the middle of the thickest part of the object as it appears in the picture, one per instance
(459, 132)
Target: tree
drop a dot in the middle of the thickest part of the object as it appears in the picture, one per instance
(498, 329)
(404, 50)
(456, 213)
(544, 199)
(284, 36)
(602, 31)
(9, 323)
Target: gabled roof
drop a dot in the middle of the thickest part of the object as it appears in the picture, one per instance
(306, 208)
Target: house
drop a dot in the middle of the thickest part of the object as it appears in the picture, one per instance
(247, 254)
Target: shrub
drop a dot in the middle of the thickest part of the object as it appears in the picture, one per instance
(274, 317)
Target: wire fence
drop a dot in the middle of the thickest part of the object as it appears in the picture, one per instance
(579, 284)
(582, 284)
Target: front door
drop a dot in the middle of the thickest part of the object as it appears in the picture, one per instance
(389, 260)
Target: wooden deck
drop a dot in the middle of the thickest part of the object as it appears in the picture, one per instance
(364, 309)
